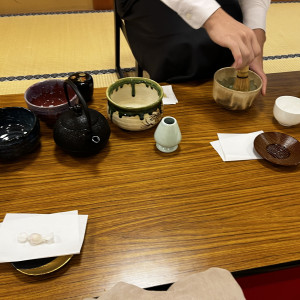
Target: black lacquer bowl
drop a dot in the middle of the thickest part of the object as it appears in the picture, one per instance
(19, 132)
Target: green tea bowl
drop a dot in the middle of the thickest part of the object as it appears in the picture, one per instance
(135, 103)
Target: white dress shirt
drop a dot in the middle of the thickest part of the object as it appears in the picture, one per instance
(196, 12)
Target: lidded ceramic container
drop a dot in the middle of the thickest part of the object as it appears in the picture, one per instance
(135, 103)
(84, 83)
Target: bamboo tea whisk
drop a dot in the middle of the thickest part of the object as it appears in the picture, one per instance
(242, 82)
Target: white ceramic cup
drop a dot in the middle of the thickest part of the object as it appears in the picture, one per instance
(287, 110)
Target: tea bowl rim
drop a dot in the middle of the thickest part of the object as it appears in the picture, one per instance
(46, 107)
(279, 98)
(33, 126)
(128, 80)
(235, 91)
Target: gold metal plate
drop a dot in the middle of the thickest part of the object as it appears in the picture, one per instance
(52, 266)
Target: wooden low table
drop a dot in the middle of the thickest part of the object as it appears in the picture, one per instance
(156, 217)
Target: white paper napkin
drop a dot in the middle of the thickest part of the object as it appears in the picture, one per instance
(68, 229)
(169, 96)
(236, 146)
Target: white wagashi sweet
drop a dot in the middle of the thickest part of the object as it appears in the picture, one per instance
(35, 239)
(22, 237)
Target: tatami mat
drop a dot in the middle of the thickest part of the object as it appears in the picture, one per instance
(57, 44)
(282, 29)
(45, 44)
(34, 47)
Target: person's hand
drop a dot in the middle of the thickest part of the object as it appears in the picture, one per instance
(245, 44)
(257, 64)
(229, 33)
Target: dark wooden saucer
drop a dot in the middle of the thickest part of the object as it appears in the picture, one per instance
(278, 148)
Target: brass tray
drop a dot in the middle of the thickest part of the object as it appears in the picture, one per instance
(41, 266)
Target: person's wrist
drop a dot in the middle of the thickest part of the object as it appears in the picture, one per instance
(261, 36)
(213, 19)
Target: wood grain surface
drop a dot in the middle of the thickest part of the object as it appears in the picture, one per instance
(156, 217)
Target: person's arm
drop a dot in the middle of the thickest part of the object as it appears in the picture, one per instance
(257, 63)
(225, 30)
(245, 43)
(240, 39)
(194, 12)
(254, 15)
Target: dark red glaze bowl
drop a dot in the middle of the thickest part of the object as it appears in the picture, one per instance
(47, 100)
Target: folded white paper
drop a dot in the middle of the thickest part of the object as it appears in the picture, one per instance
(68, 229)
(169, 96)
(236, 146)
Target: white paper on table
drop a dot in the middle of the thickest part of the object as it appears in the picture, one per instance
(68, 229)
(81, 218)
(169, 96)
(217, 146)
(236, 146)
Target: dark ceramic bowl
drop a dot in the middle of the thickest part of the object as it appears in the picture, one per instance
(48, 101)
(19, 132)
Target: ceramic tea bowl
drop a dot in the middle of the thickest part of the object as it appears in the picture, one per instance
(47, 99)
(135, 103)
(19, 132)
(286, 110)
(226, 96)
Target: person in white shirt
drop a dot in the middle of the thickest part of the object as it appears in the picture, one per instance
(180, 40)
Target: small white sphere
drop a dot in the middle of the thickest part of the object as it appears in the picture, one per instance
(35, 239)
(22, 237)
